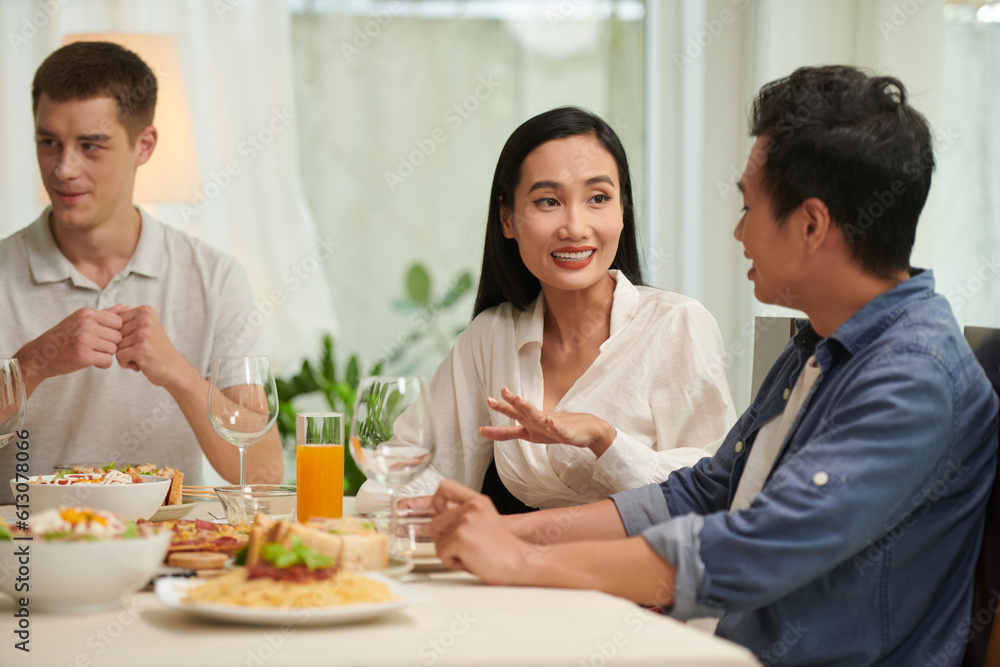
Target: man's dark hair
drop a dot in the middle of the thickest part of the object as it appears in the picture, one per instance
(852, 141)
(85, 70)
(504, 277)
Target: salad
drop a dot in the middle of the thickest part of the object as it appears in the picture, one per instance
(111, 477)
(78, 524)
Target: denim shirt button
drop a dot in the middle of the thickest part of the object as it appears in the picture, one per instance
(739, 446)
(786, 393)
(821, 478)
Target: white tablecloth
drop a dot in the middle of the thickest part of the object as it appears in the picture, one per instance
(464, 623)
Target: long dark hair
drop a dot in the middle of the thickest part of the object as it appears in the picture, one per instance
(504, 277)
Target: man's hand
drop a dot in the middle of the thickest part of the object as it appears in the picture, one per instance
(145, 347)
(579, 429)
(470, 535)
(87, 337)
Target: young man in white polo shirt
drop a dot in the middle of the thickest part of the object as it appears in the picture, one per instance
(114, 317)
(840, 521)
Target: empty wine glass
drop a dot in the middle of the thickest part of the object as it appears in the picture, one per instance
(242, 402)
(392, 435)
(12, 401)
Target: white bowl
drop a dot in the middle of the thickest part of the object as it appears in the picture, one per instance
(131, 501)
(83, 576)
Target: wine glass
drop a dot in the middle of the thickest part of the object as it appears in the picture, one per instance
(392, 435)
(242, 402)
(12, 401)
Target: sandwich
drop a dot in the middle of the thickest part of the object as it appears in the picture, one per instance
(349, 542)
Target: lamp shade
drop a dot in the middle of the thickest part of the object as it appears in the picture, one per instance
(171, 175)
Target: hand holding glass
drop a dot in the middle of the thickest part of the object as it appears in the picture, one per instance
(392, 436)
(12, 401)
(242, 402)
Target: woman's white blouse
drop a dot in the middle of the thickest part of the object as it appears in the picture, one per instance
(659, 380)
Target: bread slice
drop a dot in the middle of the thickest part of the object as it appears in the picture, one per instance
(351, 543)
(176, 478)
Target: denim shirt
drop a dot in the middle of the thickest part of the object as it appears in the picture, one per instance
(860, 549)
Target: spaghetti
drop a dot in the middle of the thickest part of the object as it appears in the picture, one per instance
(233, 588)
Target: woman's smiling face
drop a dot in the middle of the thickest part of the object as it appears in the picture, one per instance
(567, 213)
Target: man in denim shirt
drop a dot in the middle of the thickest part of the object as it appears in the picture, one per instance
(840, 521)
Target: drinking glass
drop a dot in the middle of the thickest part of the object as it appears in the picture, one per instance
(319, 464)
(242, 402)
(392, 435)
(12, 401)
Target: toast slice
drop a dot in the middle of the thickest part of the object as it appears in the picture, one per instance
(176, 478)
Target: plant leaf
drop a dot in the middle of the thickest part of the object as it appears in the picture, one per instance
(353, 372)
(418, 285)
(461, 285)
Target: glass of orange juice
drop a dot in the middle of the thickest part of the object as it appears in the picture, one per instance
(319, 464)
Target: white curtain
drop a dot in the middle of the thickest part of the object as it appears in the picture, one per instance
(237, 66)
(968, 174)
(708, 58)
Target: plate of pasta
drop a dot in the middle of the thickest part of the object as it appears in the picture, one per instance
(347, 598)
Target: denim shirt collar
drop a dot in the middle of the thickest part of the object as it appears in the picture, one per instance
(866, 324)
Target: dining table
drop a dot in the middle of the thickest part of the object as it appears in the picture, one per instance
(458, 620)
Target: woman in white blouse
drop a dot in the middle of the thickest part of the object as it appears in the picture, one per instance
(573, 381)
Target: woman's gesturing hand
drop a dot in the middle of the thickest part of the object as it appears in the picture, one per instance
(579, 429)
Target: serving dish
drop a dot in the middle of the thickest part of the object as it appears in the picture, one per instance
(131, 501)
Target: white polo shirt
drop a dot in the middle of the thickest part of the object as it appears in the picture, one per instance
(203, 300)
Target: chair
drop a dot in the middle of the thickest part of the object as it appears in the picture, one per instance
(983, 649)
(770, 335)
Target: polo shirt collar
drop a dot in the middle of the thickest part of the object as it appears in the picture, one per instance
(49, 265)
(148, 259)
(529, 326)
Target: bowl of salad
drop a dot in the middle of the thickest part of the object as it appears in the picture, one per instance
(128, 494)
(79, 559)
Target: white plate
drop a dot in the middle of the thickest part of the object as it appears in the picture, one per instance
(168, 512)
(428, 564)
(170, 591)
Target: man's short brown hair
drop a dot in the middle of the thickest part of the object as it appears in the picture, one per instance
(85, 70)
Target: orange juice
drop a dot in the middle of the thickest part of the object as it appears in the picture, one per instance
(320, 481)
